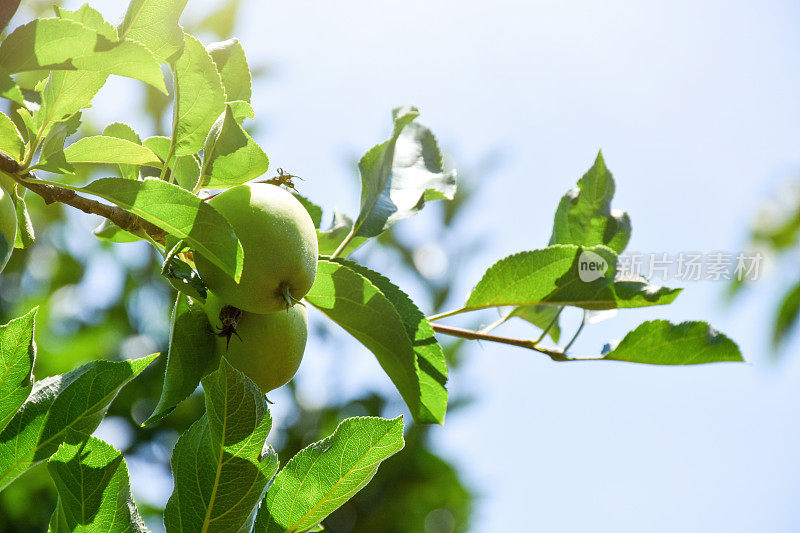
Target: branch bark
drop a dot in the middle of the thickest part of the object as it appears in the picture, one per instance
(50, 194)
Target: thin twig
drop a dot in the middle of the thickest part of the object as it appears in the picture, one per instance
(577, 332)
(446, 314)
(50, 194)
(554, 353)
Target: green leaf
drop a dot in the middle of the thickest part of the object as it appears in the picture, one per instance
(314, 211)
(112, 55)
(788, 311)
(377, 320)
(7, 10)
(191, 355)
(25, 233)
(183, 278)
(11, 142)
(17, 355)
(199, 97)
(91, 18)
(323, 476)
(430, 360)
(553, 276)
(64, 95)
(400, 175)
(184, 169)
(94, 492)
(77, 400)
(43, 44)
(221, 465)
(176, 211)
(121, 130)
(154, 23)
(659, 342)
(340, 228)
(8, 87)
(540, 316)
(102, 149)
(241, 110)
(230, 156)
(232, 65)
(52, 158)
(64, 44)
(584, 215)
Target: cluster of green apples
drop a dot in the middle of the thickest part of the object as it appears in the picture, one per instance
(261, 323)
(8, 227)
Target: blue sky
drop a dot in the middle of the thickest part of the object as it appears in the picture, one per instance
(695, 107)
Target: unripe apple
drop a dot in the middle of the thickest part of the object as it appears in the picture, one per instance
(267, 348)
(8, 227)
(280, 247)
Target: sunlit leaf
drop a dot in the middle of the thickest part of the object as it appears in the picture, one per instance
(123, 131)
(17, 355)
(154, 23)
(400, 175)
(233, 68)
(555, 276)
(199, 97)
(584, 215)
(323, 476)
(221, 464)
(11, 142)
(374, 318)
(102, 149)
(230, 156)
(659, 342)
(94, 493)
(74, 401)
(176, 211)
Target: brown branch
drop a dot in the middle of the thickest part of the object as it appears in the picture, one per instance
(50, 194)
(553, 353)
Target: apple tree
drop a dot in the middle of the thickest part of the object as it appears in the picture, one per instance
(246, 258)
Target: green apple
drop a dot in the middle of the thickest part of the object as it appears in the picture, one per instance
(267, 348)
(8, 227)
(280, 247)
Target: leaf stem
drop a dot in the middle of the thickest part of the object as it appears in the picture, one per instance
(446, 314)
(494, 324)
(344, 243)
(577, 332)
(554, 353)
(552, 323)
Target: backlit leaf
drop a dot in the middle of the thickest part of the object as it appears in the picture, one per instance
(659, 342)
(199, 97)
(323, 476)
(555, 276)
(17, 355)
(233, 69)
(94, 493)
(230, 156)
(74, 401)
(176, 211)
(360, 308)
(154, 23)
(221, 464)
(400, 175)
(102, 149)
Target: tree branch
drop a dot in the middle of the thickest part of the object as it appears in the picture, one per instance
(50, 194)
(553, 353)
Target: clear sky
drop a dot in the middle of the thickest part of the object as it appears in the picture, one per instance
(695, 107)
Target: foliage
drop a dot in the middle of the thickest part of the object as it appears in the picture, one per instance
(225, 476)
